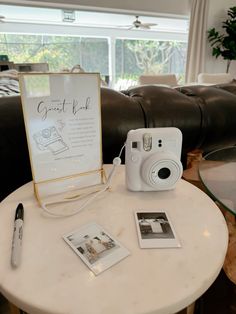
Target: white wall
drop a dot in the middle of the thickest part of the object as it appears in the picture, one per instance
(175, 7)
(217, 14)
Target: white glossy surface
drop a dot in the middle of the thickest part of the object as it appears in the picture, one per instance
(53, 280)
(217, 172)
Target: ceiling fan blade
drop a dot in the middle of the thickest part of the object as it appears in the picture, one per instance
(144, 26)
(125, 26)
(137, 24)
(152, 24)
(148, 24)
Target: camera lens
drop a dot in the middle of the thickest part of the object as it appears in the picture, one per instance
(161, 171)
(164, 173)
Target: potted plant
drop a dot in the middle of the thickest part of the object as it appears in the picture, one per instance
(224, 44)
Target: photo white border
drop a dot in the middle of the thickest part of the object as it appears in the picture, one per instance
(105, 262)
(158, 242)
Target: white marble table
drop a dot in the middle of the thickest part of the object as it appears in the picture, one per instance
(53, 280)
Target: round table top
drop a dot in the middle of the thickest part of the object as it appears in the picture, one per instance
(52, 279)
(217, 172)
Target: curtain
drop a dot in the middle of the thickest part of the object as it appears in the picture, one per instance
(197, 40)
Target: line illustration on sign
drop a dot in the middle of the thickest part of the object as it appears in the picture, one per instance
(49, 138)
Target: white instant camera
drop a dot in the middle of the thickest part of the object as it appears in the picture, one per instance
(152, 159)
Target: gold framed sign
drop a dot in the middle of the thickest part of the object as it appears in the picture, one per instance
(62, 114)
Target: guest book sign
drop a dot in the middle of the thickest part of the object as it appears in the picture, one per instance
(63, 124)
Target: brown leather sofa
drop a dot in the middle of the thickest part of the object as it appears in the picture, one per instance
(205, 115)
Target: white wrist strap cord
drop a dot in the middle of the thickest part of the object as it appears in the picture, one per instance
(116, 162)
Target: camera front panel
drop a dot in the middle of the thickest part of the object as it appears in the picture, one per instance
(153, 159)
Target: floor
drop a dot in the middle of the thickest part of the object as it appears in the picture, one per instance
(220, 298)
(4, 309)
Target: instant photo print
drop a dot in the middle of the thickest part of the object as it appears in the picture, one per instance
(96, 247)
(155, 230)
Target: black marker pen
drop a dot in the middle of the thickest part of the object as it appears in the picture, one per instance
(17, 236)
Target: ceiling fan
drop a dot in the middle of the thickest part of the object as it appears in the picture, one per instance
(2, 18)
(137, 24)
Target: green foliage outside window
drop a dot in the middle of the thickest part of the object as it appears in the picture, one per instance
(149, 57)
(224, 44)
(133, 57)
(58, 51)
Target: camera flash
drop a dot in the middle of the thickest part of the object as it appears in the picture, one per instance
(147, 142)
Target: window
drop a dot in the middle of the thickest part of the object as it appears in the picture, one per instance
(59, 52)
(107, 43)
(136, 57)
